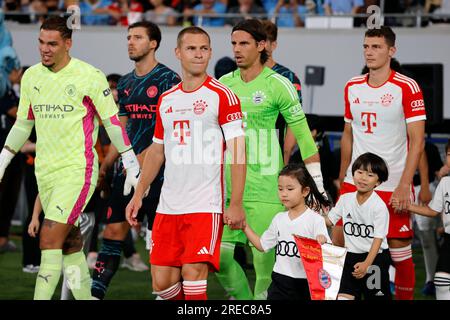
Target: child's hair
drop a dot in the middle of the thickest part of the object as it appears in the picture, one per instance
(447, 146)
(372, 162)
(314, 199)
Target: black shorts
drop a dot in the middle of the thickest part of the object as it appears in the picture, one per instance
(288, 288)
(443, 264)
(118, 202)
(374, 285)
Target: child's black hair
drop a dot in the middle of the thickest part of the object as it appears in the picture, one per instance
(314, 199)
(372, 162)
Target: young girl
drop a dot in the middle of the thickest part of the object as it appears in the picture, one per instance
(366, 221)
(298, 192)
(439, 205)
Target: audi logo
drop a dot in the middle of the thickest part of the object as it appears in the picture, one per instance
(358, 230)
(234, 116)
(417, 103)
(286, 248)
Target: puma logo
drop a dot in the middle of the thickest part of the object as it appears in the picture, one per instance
(61, 210)
(37, 89)
(45, 277)
(127, 92)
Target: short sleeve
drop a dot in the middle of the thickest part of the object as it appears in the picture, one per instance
(348, 117)
(320, 228)
(380, 221)
(158, 135)
(101, 96)
(25, 110)
(229, 113)
(336, 213)
(412, 98)
(437, 204)
(269, 237)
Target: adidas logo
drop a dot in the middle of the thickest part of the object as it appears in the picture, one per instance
(356, 101)
(169, 110)
(203, 251)
(348, 216)
(379, 294)
(404, 228)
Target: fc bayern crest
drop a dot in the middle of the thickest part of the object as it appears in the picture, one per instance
(152, 91)
(200, 107)
(324, 279)
(386, 100)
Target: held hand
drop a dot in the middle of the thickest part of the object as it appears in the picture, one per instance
(132, 210)
(234, 217)
(425, 196)
(402, 195)
(33, 228)
(321, 239)
(360, 270)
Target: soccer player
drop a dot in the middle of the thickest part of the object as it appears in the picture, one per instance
(194, 121)
(138, 93)
(287, 141)
(61, 97)
(385, 115)
(366, 223)
(263, 94)
(439, 205)
(298, 192)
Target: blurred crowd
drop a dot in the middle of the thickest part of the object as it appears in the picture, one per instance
(217, 13)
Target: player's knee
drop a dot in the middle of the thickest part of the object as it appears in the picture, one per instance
(73, 242)
(194, 272)
(116, 231)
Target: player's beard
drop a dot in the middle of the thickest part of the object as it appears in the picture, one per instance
(139, 57)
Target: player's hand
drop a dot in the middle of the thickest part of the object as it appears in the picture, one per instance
(425, 195)
(402, 195)
(33, 227)
(321, 239)
(234, 217)
(132, 210)
(360, 270)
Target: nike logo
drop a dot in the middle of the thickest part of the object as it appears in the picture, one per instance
(45, 277)
(37, 89)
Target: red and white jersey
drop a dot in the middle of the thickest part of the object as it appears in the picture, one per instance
(379, 116)
(194, 126)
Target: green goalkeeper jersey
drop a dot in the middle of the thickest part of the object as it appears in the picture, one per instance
(65, 106)
(262, 99)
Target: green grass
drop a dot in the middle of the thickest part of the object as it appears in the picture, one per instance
(129, 285)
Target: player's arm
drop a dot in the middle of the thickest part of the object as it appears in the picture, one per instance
(33, 227)
(291, 109)
(360, 268)
(235, 215)
(289, 139)
(423, 210)
(416, 132)
(346, 150)
(424, 194)
(253, 238)
(21, 130)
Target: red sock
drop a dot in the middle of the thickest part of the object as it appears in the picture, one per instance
(195, 290)
(405, 277)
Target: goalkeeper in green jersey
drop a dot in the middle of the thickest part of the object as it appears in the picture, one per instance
(63, 97)
(264, 94)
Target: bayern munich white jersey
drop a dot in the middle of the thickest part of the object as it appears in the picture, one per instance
(279, 236)
(441, 202)
(361, 223)
(194, 126)
(379, 116)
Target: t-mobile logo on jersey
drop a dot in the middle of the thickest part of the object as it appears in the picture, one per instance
(181, 130)
(366, 121)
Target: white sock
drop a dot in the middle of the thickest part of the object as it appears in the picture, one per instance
(148, 240)
(391, 273)
(442, 283)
